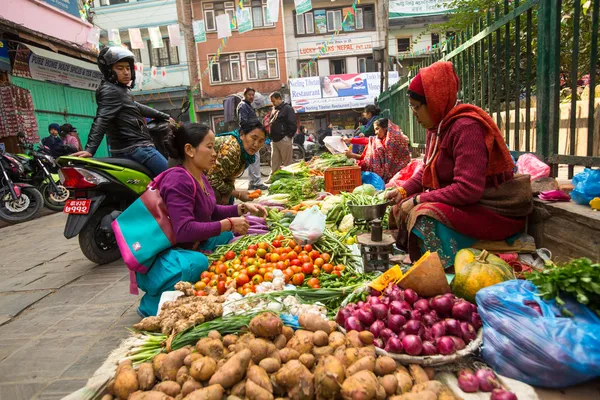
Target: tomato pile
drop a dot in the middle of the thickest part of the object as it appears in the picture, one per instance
(301, 265)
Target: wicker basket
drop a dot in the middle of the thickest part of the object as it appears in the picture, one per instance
(342, 179)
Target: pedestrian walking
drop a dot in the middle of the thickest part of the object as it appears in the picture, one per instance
(246, 114)
(282, 125)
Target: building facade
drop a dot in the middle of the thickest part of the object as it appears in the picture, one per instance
(251, 59)
(48, 71)
(349, 53)
(165, 84)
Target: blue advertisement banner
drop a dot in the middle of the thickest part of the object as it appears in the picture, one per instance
(68, 6)
(4, 60)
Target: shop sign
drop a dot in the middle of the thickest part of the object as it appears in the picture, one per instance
(68, 6)
(4, 60)
(47, 69)
(418, 8)
(337, 92)
(337, 47)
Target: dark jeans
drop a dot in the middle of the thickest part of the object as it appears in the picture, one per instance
(149, 157)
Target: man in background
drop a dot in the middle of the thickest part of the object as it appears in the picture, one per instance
(283, 127)
(246, 113)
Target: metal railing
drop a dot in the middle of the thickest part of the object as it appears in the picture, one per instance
(519, 63)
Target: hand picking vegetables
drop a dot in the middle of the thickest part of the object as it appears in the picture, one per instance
(403, 322)
(272, 361)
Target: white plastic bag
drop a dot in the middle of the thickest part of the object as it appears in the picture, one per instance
(335, 144)
(308, 226)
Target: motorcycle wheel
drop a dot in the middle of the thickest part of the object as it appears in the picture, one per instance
(54, 201)
(98, 246)
(26, 208)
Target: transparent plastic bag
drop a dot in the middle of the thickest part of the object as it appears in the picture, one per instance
(545, 349)
(587, 186)
(335, 144)
(308, 226)
(529, 164)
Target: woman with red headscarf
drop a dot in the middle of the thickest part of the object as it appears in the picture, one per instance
(386, 153)
(467, 191)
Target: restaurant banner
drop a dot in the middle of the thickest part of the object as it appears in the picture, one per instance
(303, 6)
(417, 8)
(337, 92)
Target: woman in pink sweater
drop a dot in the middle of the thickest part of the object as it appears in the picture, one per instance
(466, 192)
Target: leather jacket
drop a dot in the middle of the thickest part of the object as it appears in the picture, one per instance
(121, 118)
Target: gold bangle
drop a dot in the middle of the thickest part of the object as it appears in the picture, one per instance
(402, 192)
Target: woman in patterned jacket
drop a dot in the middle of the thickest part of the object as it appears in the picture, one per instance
(235, 152)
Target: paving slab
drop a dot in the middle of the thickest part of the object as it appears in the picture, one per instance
(115, 294)
(45, 358)
(88, 320)
(34, 322)
(20, 391)
(11, 304)
(9, 346)
(91, 360)
(60, 388)
(71, 295)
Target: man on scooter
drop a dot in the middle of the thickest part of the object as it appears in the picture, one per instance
(120, 117)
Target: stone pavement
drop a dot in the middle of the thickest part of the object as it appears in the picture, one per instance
(60, 315)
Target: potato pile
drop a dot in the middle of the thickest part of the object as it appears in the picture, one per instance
(271, 361)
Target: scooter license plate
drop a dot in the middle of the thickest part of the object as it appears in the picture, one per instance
(80, 206)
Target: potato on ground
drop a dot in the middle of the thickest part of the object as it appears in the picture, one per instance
(314, 323)
(287, 332)
(266, 325)
(228, 340)
(367, 351)
(151, 395)
(337, 339)
(239, 389)
(320, 338)
(426, 395)
(353, 339)
(189, 386)
(233, 371)
(366, 337)
(126, 382)
(203, 368)
(157, 363)
(260, 349)
(172, 363)
(405, 381)
(260, 377)
(270, 364)
(433, 386)
(107, 397)
(280, 341)
(242, 342)
(212, 392)
(418, 373)
(289, 374)
(302, 341)
(364, 364)
(183, 375)
(288, 354)
(169, 388)
(308, 360)
(362, 386)
(329, 376)
(214, 335)
(146, 378)
(190, 358)
(389, 383)
(256, 392)
(320, 352)
(211, 348)
(385, 365)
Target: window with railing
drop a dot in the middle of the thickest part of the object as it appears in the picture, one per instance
(329, 20)
(213, 9)
(164, 56)
(308, 68)
(226, 69)
(262, 65)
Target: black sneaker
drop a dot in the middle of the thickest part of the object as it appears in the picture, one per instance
(259, 186)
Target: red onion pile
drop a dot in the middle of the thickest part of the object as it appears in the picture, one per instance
(403, 322)
(483, 380)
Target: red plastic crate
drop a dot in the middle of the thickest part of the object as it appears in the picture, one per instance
(342, 179)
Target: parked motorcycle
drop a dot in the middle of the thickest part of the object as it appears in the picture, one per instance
(101, 188)
(41, 171)
(19, 202)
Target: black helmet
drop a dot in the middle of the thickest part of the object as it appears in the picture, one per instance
(109, 56)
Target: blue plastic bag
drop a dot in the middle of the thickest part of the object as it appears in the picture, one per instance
(372, 178)
(545, 350)
(587, 186)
